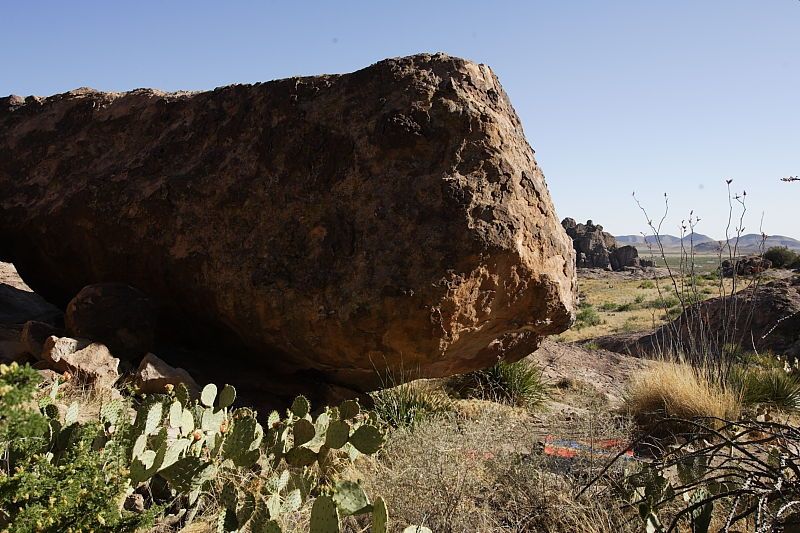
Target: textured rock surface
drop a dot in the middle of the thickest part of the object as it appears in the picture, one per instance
(595, 248)
(114, 314)
(154, 374)
(91, 362)
(392, 216)
(34, 335)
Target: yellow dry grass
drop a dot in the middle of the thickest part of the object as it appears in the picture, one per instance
(675, 389)
(620, 291)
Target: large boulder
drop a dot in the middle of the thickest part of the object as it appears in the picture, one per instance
(392, 217)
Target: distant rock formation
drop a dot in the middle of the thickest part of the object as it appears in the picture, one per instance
(595, 248)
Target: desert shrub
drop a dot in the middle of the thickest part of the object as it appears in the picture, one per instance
(647, 284)
(638, 299)
(663, 302)
(520, 383)
(57, 476)
(456, 474)
(722, 476)
(781, 256)
(767, 386)
(672, 313)
(630, 325)
(586, 317)
(409, 403)
(674, 389)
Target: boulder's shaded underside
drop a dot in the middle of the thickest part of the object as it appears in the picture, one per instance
(393, 216)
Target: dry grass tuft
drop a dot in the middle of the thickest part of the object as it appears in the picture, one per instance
(675, 389)
(485, 473)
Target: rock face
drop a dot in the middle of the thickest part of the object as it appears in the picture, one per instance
(393, 217)
(745, 266)
(92, 362)
(595, 248)
(113, 314)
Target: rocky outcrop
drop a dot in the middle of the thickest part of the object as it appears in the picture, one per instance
(764, 318)
(114, 314)
(745, 266)
(336, 225)
(91, 362)
(154, 374)
(595, 248)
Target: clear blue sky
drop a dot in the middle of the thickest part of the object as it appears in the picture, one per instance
(615, 96)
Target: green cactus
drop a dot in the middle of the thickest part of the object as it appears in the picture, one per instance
(182, 394)
(303, 432)
(189, 473)
(337, 434)
(51, 411)
(350, 498)
(226, 397)
(300, 456)
(349, 409)
(300, 407)
(367, 439)
(324, 516)
(111, 411)
(208, 395)
(380, 516)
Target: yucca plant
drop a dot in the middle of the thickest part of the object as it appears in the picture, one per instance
(407, 404)
(771, 386)
(520, 383)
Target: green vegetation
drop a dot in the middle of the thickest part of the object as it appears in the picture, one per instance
(520, 383)
(586, 317)
(409, 403)
(64, 475)
(782, 257)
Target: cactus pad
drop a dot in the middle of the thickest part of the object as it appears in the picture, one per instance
(337, 434)
(300, 407)
(300, 456)
(226, 397)
(208, 395)
(380, 516)
(350, 498)
(324, 516)
(367, 439)
(303, 431)
(349, 409)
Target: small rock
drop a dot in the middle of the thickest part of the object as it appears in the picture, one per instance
(134, 503)
(154, 374)
(49, 376)
(115, 314)
(34, 334)
(87, 360)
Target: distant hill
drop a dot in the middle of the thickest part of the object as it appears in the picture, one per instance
(668, 241)
(750, 243)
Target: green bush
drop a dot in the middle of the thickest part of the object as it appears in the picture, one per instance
(520, 383)
(647, 284)
(586, 317)
(58, 476)
(663, 302)
(781, 256)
